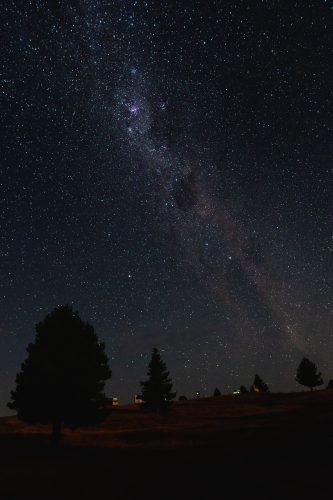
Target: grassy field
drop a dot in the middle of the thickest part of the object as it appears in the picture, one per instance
(272, 446)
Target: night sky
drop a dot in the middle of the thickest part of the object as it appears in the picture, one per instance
(166, 167)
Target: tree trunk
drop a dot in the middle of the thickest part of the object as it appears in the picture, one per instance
(56, 432)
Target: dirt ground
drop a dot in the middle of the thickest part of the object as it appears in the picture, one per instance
(264, 446)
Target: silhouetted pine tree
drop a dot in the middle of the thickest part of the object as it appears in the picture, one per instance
(307, 374)
(62, 380)
(330, 384)
(260, 384)
(156, 391)
(216, 393)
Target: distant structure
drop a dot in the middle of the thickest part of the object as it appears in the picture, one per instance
(138, 399)
(254, 388)
(113, 401)
(243, 390)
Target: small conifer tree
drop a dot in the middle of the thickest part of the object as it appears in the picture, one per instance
(156, 391)
(217, 393)
(259, 384)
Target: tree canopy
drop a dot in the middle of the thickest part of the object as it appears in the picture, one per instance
(307, 374)
(156, 391)
(62, 380)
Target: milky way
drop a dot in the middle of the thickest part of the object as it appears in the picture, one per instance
(224, 252)
(167, 170)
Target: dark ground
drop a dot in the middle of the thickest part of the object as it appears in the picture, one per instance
(274, 446)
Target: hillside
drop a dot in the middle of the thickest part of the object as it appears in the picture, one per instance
(257, 444)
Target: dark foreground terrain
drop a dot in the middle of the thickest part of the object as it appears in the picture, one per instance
(264, 446)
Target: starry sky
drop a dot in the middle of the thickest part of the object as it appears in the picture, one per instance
(166, 167)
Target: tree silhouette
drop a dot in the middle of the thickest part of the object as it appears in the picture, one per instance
(216, 393)
(243, 389)
(330, 384)
(259, 384)
(307, 374)
(62, 380)
(156, 391)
